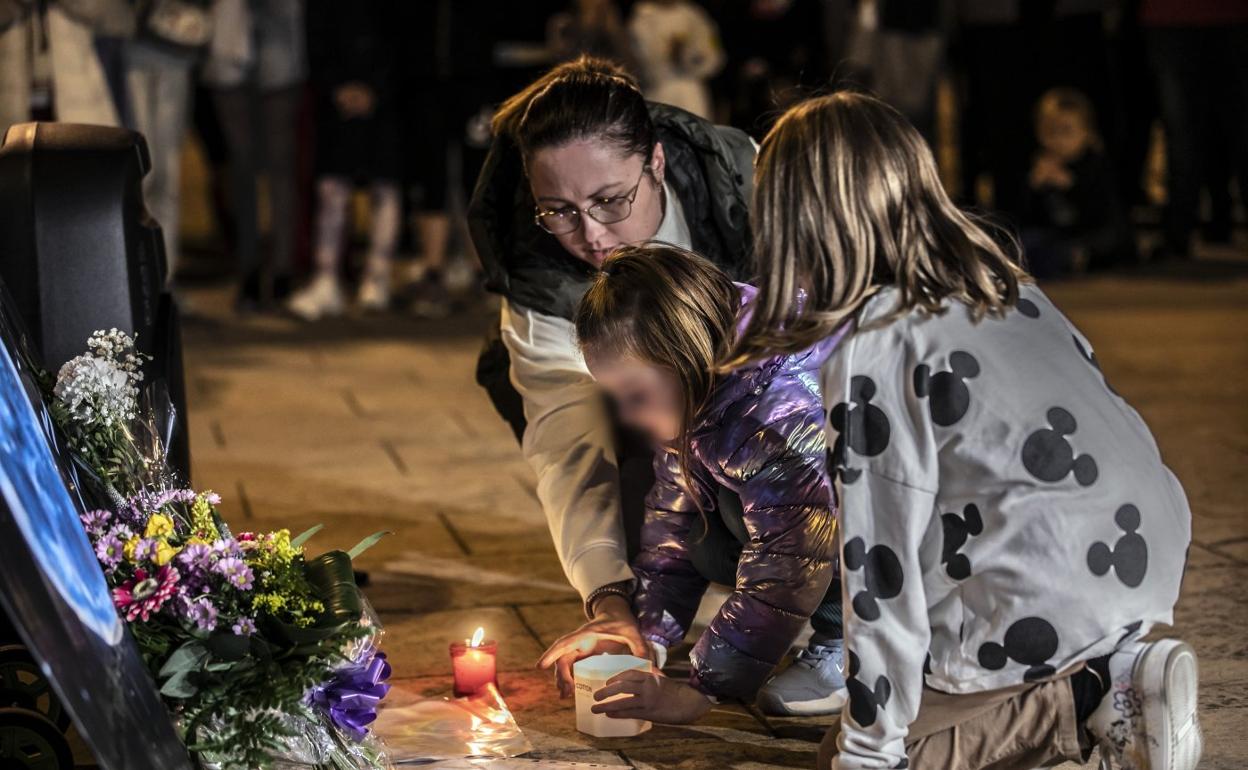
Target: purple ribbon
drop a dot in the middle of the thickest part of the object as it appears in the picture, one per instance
(351, 698)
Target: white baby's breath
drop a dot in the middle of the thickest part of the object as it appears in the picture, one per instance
(101, 386)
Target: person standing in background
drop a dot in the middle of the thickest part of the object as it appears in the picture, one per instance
(593, 28)
(678, 51)
(49, 66)
(354, 63)
(256, 66)
(1199, 53)
(170, 37)
(778, 51)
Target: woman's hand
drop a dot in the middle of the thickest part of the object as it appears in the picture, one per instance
(613, 630)
(653, 697)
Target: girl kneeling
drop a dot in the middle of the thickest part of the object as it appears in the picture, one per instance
(1009, 529)
(743, 452)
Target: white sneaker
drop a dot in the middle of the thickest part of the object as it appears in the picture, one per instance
(460, 276)
(317, 300)
(374, 293)
(1147, 719)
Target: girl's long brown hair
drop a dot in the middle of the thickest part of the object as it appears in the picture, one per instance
(669, 308)
(847, 200)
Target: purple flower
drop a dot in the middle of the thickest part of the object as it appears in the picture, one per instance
(96, 522)
(152, 501)
(120, 531)
(195, 556)
(204, 614)
(244, 627)
(144, 549)
(235, 571)
(110, 549)
(213, 498)
(226, 547)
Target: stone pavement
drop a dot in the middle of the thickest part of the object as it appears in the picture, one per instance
(375, 423)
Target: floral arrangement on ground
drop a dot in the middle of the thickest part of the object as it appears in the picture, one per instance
(261, 652)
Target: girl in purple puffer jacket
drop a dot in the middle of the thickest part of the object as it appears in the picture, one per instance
(741, 493)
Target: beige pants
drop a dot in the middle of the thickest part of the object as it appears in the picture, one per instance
(1024, 727)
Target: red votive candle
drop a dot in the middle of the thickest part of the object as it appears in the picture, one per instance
(473, 664)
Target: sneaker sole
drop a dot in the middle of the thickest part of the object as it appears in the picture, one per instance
(831, 704)
(1166, 675)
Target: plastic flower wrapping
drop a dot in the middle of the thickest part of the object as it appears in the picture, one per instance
(266, 656)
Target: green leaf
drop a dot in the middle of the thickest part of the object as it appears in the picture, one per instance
(367, 543)
(189, 657)
(334, 580)
(306, 535)
(179, 686)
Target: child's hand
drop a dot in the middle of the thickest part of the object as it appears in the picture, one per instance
(654, 697)
(1048, 171)
(613, 630)
(355, 100)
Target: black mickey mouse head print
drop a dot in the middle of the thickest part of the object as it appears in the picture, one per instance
(950, 397)
(958, 529)
(837, 463)
(1028, 308)
(1048, 456)
(1030, 642)
(865, 701)
(882, 575)
(1129, 556)
(859, 425)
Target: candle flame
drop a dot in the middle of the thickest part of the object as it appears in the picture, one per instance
(477, 636)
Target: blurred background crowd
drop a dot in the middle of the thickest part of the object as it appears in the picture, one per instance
(320, 154)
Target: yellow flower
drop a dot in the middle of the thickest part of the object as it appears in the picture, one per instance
(164, 552)
(202, 523)
(130, 546)
(159, 525)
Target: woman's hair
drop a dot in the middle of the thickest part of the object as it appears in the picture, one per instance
(1071, 101)
(579, 99)
(847, 200)
(669, 308)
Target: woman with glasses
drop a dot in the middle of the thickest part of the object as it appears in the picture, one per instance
(581, 164)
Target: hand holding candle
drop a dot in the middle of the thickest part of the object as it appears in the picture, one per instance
(473, 664)
(613, 630)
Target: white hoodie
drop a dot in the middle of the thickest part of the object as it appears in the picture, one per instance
(569, 439)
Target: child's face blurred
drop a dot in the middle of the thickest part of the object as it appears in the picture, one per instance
(1063, 133)
(648, 397)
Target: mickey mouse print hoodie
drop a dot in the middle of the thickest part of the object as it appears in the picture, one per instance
(1005, 514)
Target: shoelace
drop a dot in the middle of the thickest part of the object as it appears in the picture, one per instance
(811, 657)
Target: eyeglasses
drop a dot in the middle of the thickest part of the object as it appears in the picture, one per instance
(607, 211)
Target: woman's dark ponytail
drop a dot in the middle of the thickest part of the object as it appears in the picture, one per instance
(587, 97)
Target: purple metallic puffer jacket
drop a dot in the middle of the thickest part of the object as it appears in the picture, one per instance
(761, 436)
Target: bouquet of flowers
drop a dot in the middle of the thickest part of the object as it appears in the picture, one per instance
(261, 652)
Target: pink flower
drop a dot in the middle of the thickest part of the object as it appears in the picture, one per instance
(145, 594)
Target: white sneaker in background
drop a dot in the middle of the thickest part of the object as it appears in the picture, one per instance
(374, 293)
(317, 300)
(460, 276)
(1148, 719)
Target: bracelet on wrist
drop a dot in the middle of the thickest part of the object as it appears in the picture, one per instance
(622, 589)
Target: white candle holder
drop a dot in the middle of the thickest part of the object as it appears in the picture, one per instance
(590, 675)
